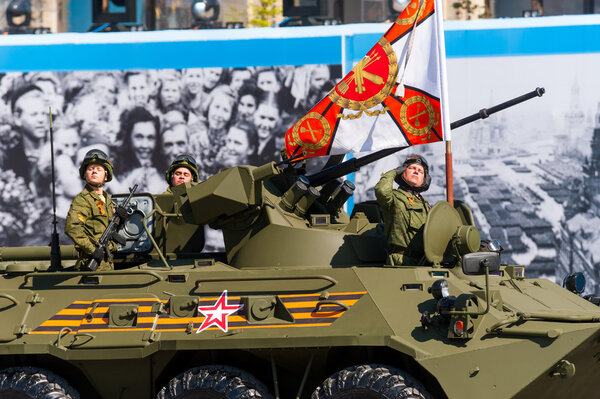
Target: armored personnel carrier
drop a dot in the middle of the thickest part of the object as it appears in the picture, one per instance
(299, 305)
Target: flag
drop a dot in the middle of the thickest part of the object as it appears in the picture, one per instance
(391, 98)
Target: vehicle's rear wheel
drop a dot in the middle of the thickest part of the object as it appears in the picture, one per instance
(34, 383)
(214, 382)
(371, 381)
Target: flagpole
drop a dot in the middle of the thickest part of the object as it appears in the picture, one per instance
(445, 108)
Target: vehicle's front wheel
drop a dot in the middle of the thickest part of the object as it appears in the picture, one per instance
(370, 381)
(214, 382)
(34, 383)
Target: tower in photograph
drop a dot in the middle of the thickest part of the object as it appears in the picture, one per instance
(592, 168)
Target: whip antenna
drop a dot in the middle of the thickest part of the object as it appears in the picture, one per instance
(55, 257)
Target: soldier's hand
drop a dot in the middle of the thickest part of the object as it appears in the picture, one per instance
(122, 213)
(98, 254)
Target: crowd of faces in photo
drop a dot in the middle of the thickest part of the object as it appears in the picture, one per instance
(144, 119)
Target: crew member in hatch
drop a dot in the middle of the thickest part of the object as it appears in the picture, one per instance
(91, 212)
(183, 169)
(405, 210)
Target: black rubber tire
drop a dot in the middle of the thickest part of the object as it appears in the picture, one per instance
(34, 383)
(214, 382)
(371, 381)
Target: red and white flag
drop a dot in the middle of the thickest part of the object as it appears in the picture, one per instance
(392, 98)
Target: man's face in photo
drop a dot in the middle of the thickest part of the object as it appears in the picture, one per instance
(143, 140)
(67, 142)
(32, 116)
(175, 141)
(212, 77)
(139, 90)
(265, 120)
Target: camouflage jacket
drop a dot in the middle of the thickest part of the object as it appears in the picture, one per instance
(87, 219)
(404, 214)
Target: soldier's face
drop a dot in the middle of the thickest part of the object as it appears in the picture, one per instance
(180, 176)
(95, 174)
(414, 175)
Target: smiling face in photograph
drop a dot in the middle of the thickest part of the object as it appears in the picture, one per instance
(143, 140)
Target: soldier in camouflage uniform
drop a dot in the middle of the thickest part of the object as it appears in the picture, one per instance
(91, 211)
(183, 169)
(405, 210)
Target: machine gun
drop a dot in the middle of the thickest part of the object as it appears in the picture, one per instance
(355, 164)
(111, 230)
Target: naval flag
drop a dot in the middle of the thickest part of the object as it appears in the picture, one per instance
(391, 98)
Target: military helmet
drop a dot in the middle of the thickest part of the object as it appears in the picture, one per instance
(99, 157)
(182, 161)
(411, 159)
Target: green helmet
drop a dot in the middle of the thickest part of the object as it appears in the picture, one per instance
(182, 161)
(99, 157)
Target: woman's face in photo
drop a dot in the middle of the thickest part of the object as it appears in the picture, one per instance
(193, 80)
(267, 81)
(246, 107)
(219, 112)
(143, 140)
(170, 92)
(318, 78)
(265, 120)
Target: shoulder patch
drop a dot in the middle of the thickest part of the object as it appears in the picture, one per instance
(81, 217)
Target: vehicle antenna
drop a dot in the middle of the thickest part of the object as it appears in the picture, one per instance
(55, 257)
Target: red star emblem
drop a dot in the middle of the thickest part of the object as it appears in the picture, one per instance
(218, 313)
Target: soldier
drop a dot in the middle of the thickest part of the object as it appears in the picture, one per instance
(183, 169)
(405, 210)
(91, 212)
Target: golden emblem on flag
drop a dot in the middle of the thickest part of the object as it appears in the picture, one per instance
(370, 81)
(417, 115)
(312, 132)
(414, 11)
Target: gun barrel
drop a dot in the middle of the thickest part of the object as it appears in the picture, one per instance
(485, 112)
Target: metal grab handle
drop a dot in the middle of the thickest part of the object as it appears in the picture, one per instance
(68, 330)
(232, 279)
(157, 276)
(330, 302)
(10, 298)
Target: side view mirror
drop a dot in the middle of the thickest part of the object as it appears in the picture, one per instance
(474, 263)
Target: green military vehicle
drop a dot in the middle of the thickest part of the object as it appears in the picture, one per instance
(300, 305)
